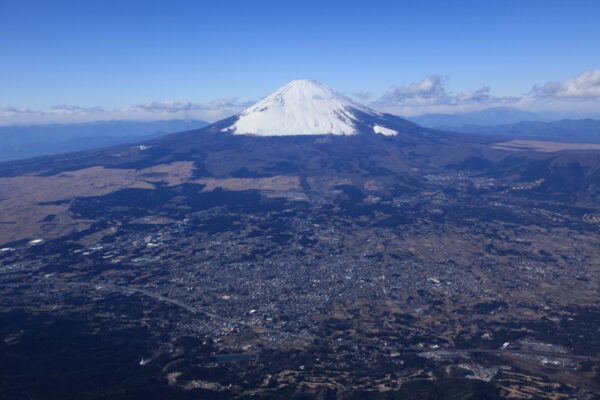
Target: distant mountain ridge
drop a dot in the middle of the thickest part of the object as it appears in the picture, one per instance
(24, 141)
(487, 117)
(571, 130)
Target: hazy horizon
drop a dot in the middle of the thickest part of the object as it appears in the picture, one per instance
(204, 61)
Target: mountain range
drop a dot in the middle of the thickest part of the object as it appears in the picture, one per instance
(486, 117)
(302, 107)
(566, 130)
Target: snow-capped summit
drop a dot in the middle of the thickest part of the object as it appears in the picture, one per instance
(306, 107)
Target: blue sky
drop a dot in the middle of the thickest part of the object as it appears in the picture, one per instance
(112, 55)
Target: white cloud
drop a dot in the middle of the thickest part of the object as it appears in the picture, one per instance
(577, 97)
(430, 90)
(585, 86)
(211, 111)
(362, 96)
(480, 95)
(430, 95)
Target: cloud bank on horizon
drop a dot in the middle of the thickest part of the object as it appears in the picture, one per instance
(578, 96)
(157, 110)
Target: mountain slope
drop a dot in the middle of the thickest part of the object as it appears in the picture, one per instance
(305, 107)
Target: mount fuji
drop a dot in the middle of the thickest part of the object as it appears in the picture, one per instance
(307, 107)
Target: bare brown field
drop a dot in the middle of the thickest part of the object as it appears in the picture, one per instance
(23, 199)
(276, 183)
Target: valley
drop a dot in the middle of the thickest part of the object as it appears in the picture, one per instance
(369, 285)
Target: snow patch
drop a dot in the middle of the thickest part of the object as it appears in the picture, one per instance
(384, 131)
